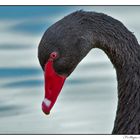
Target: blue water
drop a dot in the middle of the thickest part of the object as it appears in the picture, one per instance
(18, 72)
(88, 101)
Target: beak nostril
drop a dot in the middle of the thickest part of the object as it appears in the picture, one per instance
(50, 88)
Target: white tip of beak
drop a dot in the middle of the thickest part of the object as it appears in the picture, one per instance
(47, 102)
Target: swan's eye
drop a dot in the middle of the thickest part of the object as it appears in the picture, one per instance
(54, 55)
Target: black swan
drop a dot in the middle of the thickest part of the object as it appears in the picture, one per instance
(69, 40)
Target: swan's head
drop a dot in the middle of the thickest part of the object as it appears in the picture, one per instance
(60, 51)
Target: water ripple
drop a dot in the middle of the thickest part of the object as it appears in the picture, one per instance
(10, 110)
(18, 72)
(90, 80)
(13, 46)
(30, 27)
(24, 83)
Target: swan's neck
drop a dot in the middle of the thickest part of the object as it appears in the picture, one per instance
(128, 110)
(124, 53)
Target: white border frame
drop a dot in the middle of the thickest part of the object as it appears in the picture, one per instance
(70, 2)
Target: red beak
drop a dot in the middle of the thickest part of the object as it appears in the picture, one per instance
(53, 86)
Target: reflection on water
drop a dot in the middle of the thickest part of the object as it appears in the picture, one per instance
(87, 103)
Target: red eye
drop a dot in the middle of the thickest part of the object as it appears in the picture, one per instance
(54, 55)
